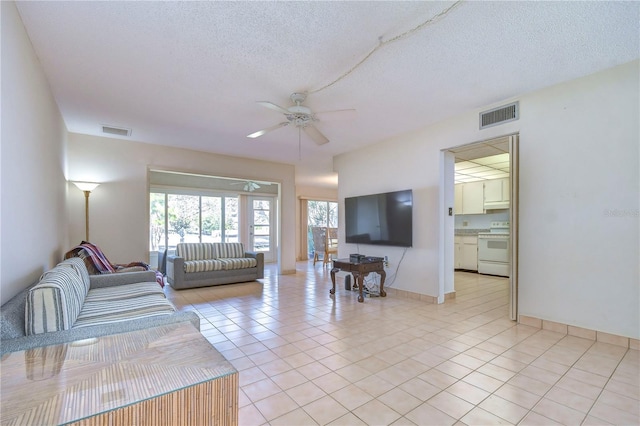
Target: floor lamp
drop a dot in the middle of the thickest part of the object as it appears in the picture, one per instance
(86, 187)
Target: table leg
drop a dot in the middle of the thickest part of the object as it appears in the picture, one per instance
(383, 275)
(360, 285)
(333, 280)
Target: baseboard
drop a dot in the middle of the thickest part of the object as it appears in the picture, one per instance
(584, 333)
(411, 295)
(450, 296)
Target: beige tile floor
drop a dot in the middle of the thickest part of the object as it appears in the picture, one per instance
(306, 358)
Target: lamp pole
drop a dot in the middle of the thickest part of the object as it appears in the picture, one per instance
(86, 215)
(86, 187)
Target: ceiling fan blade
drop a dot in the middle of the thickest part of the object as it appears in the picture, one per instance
(267, 130)
(273, 106)
(315, 135)
(341, 114)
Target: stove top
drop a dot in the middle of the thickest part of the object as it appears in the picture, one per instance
(498, 227)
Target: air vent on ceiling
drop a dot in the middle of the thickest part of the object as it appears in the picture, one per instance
(499, 115)
(116, 130)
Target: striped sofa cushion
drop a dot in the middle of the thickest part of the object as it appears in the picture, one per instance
(110, 311)
(81, 269)
(203, 265)
(54, 303)
(195, 251)
(128, 291)
(238, 263)
(227, 250)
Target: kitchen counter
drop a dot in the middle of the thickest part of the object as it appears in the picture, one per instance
(469, 231)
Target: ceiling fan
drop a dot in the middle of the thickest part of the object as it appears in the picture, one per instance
(249, 185)
(303, 118)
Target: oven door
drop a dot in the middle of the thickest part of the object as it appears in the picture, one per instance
(493, 248)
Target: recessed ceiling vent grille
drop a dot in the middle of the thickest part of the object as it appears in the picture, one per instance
(499, 115)
(119, 131)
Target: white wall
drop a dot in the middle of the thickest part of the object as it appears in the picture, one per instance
(119, 218)
(579, 161)
(32, 176)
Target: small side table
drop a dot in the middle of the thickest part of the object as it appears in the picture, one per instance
(359, 270)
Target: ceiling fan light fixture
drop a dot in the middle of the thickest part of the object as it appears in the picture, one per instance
(301, 117)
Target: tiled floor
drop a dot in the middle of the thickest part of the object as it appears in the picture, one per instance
(305, 358)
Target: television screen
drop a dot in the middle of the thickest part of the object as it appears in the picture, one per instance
(380, 219)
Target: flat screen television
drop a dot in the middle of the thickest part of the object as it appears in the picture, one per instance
(380, 219)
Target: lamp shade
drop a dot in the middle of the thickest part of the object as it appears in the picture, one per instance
(86, 186)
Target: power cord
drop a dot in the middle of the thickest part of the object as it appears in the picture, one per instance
(382, 43)
(395, 274)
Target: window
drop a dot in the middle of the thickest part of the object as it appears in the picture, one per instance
(191, 218)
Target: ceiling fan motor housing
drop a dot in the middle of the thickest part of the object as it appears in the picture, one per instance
(299, 115)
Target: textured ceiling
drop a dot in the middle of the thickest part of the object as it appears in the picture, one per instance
(189, 74)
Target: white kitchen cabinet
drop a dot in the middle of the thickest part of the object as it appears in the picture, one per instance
(493, 190)
(466, 252)
(506, 190)
(473, 198)
(496, 191)
(469, 198)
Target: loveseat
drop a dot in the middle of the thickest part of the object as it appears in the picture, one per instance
(206, 264)
(68, 304)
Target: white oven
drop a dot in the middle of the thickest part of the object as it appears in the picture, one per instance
(493, 250)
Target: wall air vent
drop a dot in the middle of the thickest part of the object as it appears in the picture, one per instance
(499, 115)
(119, 131)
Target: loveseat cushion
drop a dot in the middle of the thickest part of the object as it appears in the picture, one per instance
(238, 263)
(227, 250)
(219, 264)
(204, 265)
(195, 251)
(111, 311)
(208, 251)
(55, 303)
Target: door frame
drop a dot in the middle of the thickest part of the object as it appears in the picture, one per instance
(446, 280)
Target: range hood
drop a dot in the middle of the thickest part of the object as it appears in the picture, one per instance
(496, 205)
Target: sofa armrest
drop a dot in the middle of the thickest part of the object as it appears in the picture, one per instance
(175, 270)
(121, 278)
(259, 257)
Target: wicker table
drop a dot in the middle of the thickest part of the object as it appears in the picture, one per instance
(166, 375)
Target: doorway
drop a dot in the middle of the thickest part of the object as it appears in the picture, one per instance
(488, 172)
(261, 222)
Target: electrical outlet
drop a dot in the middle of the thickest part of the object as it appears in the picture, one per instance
(386, 261)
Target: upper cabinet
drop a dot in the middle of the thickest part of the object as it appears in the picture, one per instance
(477, 197)
(469, 198)
(496, 194)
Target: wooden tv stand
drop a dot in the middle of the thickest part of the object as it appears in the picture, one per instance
(359, 270)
